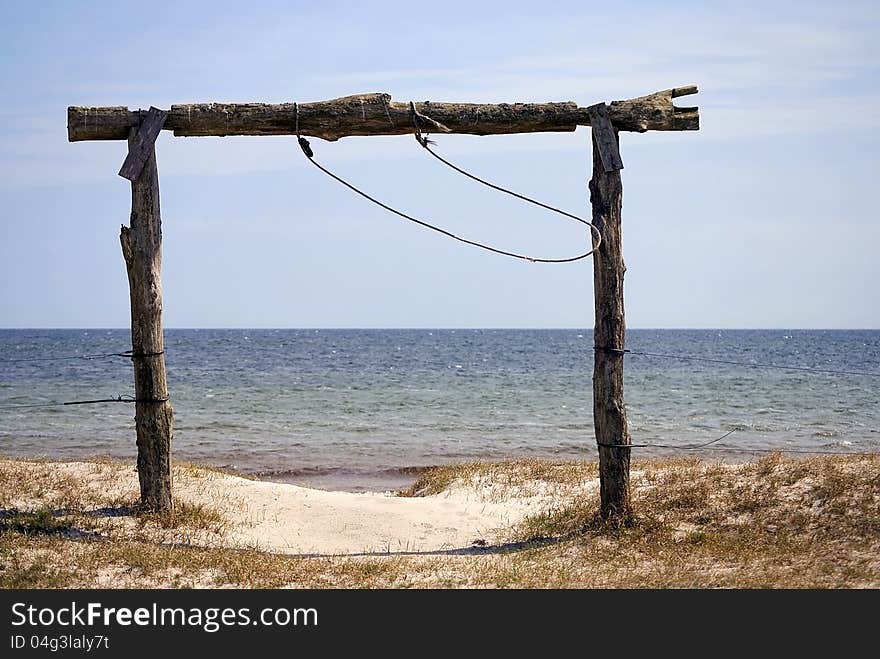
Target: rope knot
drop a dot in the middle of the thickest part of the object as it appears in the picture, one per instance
(304, 145)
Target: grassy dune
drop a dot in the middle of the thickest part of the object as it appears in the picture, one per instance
(772, 523)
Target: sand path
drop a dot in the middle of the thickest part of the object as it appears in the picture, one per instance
(290, 519)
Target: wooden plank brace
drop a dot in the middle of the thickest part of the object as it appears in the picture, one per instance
(144, 141)
(606, 137)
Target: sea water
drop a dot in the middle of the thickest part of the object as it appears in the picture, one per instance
(364, 409)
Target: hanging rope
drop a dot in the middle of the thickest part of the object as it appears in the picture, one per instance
(307, 150)
(418, 118)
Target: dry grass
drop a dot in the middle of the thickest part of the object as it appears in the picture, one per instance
(520, 478)
(772, 523)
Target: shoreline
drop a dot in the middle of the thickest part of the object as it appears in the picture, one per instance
(386, 479)
(338, 480)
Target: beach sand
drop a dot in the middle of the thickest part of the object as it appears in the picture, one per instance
(774, 522)
(290, 519)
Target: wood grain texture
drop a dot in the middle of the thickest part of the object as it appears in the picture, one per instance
(605, 137)
(609, 411)
(145, 139)
(378, 114)
(154, 418)
(655, 112)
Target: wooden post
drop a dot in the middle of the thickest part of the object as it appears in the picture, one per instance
(142, 249)
(609, 412)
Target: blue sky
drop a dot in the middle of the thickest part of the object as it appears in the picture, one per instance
(766, 217)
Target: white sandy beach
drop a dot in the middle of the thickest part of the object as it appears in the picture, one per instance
(290, 519)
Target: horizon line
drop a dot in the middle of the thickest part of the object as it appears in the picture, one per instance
(430, 328)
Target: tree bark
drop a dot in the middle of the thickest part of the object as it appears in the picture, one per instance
(609, 411)
(377, 114)
(154, 419)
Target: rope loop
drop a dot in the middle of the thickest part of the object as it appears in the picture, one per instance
(425, 142)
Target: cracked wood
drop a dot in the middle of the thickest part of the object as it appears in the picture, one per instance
(378, 114)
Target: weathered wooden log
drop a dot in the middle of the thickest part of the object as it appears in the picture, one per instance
(154, 419)
(609, 411)
(377, 114)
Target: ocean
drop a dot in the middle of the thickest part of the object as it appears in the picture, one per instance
(364, 409)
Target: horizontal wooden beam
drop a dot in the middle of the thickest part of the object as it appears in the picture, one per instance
(377, 114)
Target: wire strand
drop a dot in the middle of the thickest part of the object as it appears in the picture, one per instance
(746, 364)
(127, 353)
(118, 399)
(729, 449)
(726, 449)
(688, 448)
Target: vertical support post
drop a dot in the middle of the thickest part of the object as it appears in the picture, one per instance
(142, 249)
(609, 412)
